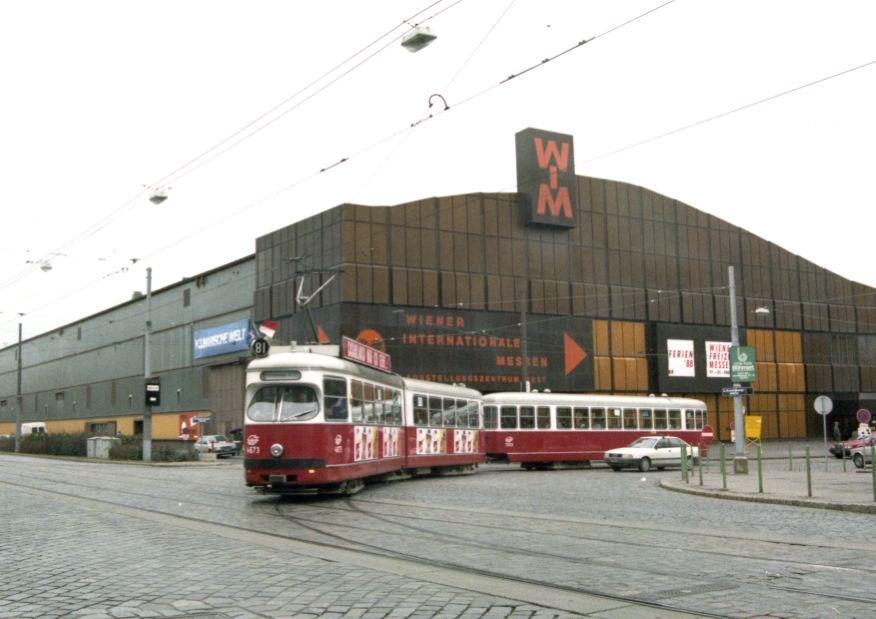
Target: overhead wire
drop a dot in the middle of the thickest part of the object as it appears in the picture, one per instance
(505, 81)
(410, 131)
(113, 215)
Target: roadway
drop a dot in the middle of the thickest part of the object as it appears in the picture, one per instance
(97, 540)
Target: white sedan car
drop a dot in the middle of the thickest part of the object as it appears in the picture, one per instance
(217, 444)
(651, 452)
(864, 455)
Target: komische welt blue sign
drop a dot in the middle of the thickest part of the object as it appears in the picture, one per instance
(222, 340)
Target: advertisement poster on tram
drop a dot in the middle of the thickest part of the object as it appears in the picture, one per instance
(365, 443)
(390, 442)
(431, 441)
(465, 441)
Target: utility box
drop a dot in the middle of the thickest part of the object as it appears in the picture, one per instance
(100, 446)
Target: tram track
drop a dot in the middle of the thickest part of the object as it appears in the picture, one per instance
(373, 552)
(401, 521)
(307, 524)
(352, 505)
(352, 544)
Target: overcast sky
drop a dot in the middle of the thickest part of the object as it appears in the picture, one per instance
(102, 98)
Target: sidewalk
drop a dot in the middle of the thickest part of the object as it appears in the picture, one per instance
(849, 490)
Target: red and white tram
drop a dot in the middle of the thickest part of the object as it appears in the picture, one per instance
(319, 423)
(542, 429)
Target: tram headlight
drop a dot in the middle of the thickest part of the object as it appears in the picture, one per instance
(276, 450)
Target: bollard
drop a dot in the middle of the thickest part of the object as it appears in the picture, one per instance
(844, 459)
(684, 476)
(723, 467)
(790, 457)
(700, 462)
(872, 465)
(808, 471)
(759, 471)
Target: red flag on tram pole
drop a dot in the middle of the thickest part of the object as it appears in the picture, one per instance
(268, 328)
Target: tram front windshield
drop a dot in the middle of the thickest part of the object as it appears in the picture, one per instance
(283, 403)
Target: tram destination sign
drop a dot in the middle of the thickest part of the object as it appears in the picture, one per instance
(360, 353)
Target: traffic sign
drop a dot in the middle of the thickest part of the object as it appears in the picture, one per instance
(200, 420)
(153, 392)
(863, 416)
(260, 347)
(823, 405)
(707, 434)
(734, 391)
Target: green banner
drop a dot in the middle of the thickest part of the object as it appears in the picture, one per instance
(743, 368)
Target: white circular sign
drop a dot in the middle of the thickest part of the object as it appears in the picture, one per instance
(823, 405)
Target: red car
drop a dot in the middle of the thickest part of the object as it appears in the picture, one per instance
(837, 448)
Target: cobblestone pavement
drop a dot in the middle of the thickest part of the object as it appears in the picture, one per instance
(590, 530)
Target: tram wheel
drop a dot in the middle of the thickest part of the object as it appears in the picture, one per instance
(645, 464)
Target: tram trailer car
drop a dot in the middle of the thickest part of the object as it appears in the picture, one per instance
(541, 430)
(316, 423)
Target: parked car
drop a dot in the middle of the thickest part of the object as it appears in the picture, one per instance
(650, 451)
(837, 448)
(864, 454)
(217, 444)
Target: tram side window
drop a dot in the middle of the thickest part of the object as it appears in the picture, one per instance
(461, 413)
(421, 412)
(491, 421)
(701, 419)
(379, 413)
(597, 418)
(660, 422)
(631, 421)
(264, 404)
(435, 411)
(689, 421)
(335, 399)
(395, 406)
(614, 419)
(356, 390)
(674, 419)
(544, 418)
(369, 403)
(509, 418)
(449, 417)
(299, 403)
(564, 418)
(527, 417)
(646, 420)
(582, 418)
(474, 415)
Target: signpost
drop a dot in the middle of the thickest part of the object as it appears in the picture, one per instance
(823, 405)
(734, 391)
(743, 368)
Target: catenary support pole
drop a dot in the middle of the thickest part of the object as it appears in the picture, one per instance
(147, 370)
(18, 398)
(740, 462)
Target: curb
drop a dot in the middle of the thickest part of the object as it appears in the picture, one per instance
(860, 508)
